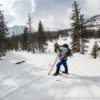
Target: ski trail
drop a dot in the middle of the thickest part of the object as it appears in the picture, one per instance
(20, 87)
(32, 82)
(88, 87)
(84, 80)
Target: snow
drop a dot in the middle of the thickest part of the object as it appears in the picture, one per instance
(30, 80)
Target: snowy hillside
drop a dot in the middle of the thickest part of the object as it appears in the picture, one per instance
(16, 30)
(94, 21)
(30, 80)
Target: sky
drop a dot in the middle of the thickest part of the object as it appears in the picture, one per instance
(54, 14)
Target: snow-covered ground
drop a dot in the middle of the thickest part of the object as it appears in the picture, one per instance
(30, 80)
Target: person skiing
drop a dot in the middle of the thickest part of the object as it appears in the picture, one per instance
(61, 53)
(55, 46)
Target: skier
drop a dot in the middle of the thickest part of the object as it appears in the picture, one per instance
(61, 53)
(55, 46)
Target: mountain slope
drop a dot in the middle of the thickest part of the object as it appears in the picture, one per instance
(93, 21)
(16, 30)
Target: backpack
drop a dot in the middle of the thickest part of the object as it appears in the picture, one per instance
(68, 53)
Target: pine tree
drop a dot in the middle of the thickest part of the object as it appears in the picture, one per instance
(13, 41)
(98, 33)
(75, 27)
(3, 31)
(94, 53)
(24, 41)
(8, 44)
(30, 37)
(41, 37)
(83, 35)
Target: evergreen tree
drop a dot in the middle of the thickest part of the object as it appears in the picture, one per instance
(98, 33)
(76, 27)
(83, 35)
(13, 42)
(24, 41)
(8, 44)
(3, 31)
(94, 53)
(30, 38)
(41, 37)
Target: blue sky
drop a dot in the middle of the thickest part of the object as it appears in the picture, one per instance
(53, 13)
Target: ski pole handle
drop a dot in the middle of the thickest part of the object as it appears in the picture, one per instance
(53, 65)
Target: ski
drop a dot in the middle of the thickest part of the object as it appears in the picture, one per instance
(63, 74)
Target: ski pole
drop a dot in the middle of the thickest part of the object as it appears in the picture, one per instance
(53, 65)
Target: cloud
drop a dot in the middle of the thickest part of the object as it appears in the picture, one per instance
(53, 13)
(9, 18)
(21, 10)
(33, 5)
(68, 17)
(6, 5)
(8, 12)
(17, 11)
(89, 7)
(53, 21)
(92, 7)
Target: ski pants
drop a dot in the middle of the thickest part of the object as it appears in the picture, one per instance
(62, 62)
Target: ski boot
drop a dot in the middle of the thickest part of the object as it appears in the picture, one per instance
(57, 72)
(66, 71)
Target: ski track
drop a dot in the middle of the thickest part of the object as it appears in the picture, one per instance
(23, 86)
(31, 84)
(82, 81)
(87, 87)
